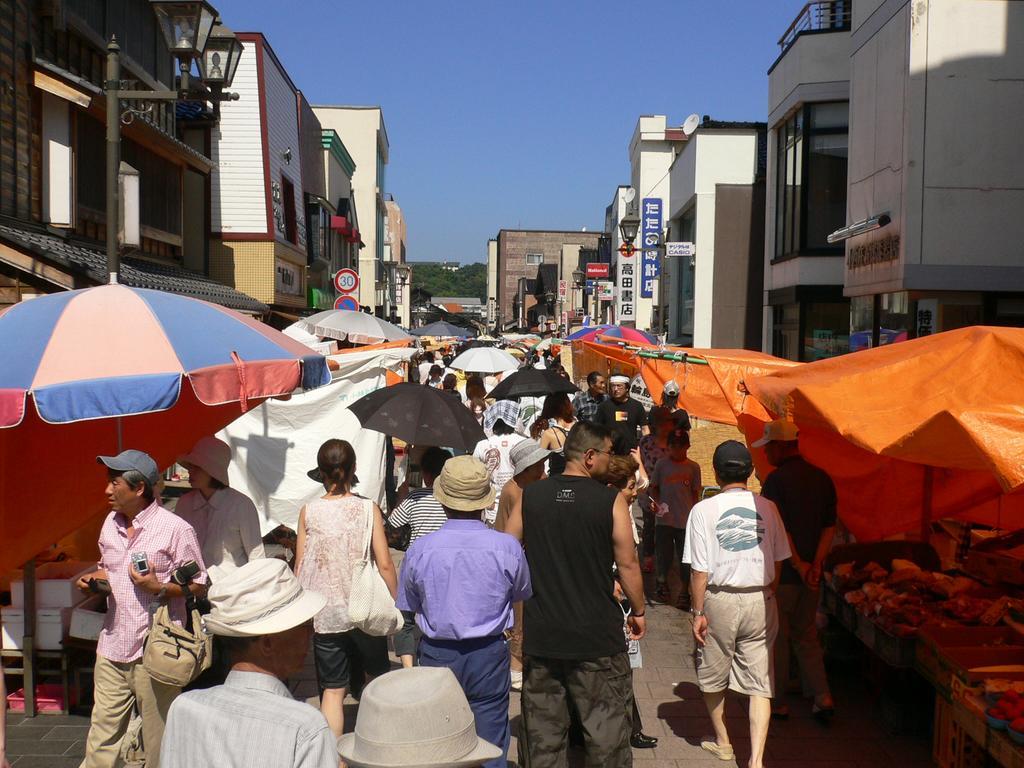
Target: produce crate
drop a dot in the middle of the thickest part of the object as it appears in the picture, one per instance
(988, 560)
(969, 716)
(895, 651)
(847, 615)
(866, 630)
(1004, 751)
(942, 734)
(936, 661)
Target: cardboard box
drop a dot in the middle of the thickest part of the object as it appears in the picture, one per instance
(51, 626)
(55, 584)
(87, 619)
(934, 660)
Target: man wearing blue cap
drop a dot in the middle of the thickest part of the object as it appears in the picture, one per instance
(141, 544)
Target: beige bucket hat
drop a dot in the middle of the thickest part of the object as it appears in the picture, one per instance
(211, 455)
(464, 485)
(415, 718)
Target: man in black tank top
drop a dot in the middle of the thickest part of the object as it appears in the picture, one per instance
(573, 528)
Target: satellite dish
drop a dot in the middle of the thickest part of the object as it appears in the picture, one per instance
(691, 123)
(629, 195)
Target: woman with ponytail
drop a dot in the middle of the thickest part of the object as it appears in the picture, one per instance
(331, 538)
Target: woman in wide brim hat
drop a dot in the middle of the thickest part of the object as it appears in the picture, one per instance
(226, 521)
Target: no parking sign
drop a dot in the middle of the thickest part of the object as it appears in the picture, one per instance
(346, 302)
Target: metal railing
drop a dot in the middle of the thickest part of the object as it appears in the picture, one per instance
(818, 16)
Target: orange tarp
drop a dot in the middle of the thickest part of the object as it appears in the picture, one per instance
(876, 420)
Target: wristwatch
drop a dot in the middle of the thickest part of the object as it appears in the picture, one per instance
(696, 613)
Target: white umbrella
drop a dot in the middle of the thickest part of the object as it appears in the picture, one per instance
(301, 335)
(484, 360)
(356, 327)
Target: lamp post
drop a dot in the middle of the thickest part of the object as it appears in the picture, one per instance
(629, 225)
(192, 32)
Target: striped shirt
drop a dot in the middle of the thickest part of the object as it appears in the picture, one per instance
(168, 542)
(251, 721)
(421, 512)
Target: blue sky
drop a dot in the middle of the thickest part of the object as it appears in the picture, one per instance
(519, 113)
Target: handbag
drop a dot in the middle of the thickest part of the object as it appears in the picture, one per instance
(370, 605)
(176, 655)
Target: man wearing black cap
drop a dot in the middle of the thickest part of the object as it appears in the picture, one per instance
(735, 545)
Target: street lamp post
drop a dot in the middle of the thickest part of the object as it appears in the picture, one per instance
(192, 31)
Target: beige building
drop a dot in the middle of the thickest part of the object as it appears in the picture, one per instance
(363, 132)
(398, 273)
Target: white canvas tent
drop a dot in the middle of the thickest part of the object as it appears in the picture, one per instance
(275, 444)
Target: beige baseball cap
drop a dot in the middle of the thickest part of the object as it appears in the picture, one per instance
(778, 431)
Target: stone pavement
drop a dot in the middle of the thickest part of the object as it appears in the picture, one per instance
(669, 703)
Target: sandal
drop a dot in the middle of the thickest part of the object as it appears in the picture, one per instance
(721, 752)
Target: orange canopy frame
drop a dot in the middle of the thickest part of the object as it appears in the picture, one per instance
(914, 432)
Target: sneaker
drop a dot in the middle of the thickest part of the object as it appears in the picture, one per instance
(642, 741)
(661, 593)
(517, 680)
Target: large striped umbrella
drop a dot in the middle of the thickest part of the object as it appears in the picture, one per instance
(614, 331)
(98, 370)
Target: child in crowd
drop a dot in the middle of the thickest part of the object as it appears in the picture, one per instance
(675, 487)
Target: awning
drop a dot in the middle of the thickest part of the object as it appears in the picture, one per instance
(77, 257)
(341, 224)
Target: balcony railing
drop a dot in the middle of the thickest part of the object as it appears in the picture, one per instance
(819, 16)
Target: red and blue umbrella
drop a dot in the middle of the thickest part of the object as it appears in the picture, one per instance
(97, 370)
(612, 331)
(118, 351)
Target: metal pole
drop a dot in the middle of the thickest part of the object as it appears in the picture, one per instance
(28, 645)
(111, 87)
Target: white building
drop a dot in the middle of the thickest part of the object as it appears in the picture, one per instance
(652, 149)
(717, 203)
(806, 316)
(935, 114)
(925, 216)
(624, 269)
(363, 132)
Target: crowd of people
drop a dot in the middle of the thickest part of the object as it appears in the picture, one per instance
(522, 572)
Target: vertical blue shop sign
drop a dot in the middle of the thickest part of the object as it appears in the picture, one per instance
(651, 233)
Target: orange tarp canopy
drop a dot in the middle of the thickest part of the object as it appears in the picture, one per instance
(916, 431)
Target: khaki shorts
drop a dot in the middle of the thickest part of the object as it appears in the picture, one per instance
(741, 633)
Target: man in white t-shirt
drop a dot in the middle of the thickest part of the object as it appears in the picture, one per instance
(735, 545)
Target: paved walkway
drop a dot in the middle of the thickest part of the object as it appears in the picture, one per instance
(669, 703)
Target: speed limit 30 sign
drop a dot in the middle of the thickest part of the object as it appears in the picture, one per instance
(346, 281)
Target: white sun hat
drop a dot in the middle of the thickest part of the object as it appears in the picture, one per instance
(262, 597)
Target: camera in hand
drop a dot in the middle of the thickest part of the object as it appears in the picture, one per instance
(141, 562)
(184, 575)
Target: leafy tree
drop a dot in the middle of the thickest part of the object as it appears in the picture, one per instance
(469, 280)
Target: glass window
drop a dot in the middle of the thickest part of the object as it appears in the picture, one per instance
(810, 191)
(894, 318)
(534, 259)
(826, 330)
(862, 322)
(786, 331)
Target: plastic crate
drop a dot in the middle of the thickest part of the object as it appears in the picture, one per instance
(1004, 751)
(49, 698)
(894, 651)
(866, 630)
(942, 734)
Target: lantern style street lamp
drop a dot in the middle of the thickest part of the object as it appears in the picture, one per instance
(186, 28)
(185, 25)
(219, 61)
(629, 226)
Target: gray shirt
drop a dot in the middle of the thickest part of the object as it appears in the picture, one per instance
(249, 722)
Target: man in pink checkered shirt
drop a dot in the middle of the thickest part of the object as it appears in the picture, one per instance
(137, 524)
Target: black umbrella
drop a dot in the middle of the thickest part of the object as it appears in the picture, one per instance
(532, 382)
(420, 415)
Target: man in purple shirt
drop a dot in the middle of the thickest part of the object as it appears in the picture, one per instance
(461, 582)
